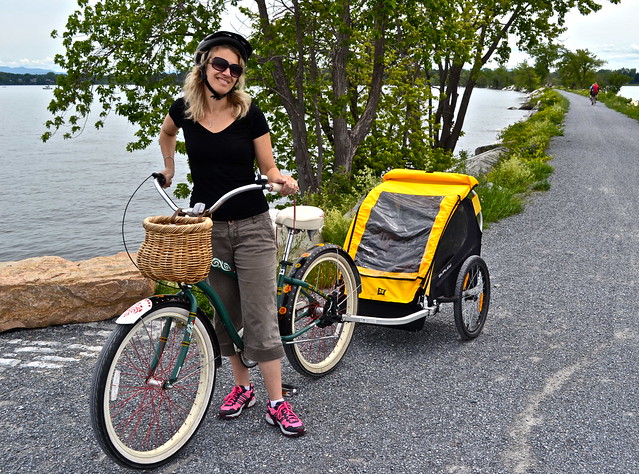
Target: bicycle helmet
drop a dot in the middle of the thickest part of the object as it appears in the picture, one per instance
(224, 38)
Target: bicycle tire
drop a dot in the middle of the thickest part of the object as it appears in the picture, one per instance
(137, 420)
(318, 351)
(472, 297)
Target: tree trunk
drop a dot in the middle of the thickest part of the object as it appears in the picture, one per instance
(294, 107)
(348, 141)
(343, 143)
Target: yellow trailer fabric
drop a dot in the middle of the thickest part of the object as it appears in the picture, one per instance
(397, 229)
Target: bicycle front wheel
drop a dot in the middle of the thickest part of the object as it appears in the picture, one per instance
(329, 278)
(141, 420)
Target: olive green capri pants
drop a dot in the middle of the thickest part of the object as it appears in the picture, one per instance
(248, 245)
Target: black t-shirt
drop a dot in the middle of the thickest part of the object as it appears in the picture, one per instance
(223, 161)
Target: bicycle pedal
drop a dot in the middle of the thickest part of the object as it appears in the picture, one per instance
(288, 390)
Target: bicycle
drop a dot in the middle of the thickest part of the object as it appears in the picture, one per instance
(155, 376)
(593, 99)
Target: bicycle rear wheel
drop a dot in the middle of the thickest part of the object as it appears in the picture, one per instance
(326, 270)
(138, 419)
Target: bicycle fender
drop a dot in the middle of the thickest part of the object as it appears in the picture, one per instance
(142, 307)
(310, 254)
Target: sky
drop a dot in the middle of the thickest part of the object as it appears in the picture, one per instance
(25, 36)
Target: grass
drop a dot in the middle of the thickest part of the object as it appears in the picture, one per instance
(620, 104)
(524, 168)
(498, 202)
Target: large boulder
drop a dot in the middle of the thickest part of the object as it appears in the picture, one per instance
(483, 162)
(45, 291)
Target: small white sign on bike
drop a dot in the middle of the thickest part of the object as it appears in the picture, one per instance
(132, 314)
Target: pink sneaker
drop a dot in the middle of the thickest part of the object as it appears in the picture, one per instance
(236, 401)
(283, 416)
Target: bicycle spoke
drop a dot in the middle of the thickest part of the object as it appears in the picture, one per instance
(473, 294)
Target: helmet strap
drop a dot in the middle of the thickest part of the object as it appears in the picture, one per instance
(216, 95)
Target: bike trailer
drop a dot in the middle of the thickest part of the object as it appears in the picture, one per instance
(409, 238)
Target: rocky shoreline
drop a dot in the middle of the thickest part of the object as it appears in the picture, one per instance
(45, 291)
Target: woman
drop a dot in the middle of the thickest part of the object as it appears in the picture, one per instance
(225, 134)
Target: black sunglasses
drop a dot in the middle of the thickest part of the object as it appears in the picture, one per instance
(221, 65)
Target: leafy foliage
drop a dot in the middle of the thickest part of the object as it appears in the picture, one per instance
(615, 81)
(118, 53)
(169, 288)
(577, 69)
(526, 78)
(511, 173)
(620, 104)
(11, 79)
(498, 203)
(347, 85)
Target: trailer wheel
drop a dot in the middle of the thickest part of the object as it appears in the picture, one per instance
(472, 297)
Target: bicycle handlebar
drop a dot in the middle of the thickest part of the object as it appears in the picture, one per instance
(199, 208)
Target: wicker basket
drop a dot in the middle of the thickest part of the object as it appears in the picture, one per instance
(176, 248)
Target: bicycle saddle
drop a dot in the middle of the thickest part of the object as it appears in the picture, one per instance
(301, 217)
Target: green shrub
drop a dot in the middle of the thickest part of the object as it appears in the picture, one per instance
(498, 203)
(168, 288)
(511, 173)
(336, 226)
(525, 167)
(533, 135)
(620, 104)
(339, 198)
(553, 113)
(540, 169)
(343, 192)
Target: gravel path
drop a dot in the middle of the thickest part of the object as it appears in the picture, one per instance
(550, 386)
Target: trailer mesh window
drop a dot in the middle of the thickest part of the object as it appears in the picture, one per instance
(397, 232)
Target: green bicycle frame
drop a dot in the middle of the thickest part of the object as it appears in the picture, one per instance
(225, 318)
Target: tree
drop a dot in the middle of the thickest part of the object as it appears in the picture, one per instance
(324, 62)
(525, 77)
(578, 69)
(118, 53)
(498, 78)
(349, 84)
(470, 32)
(546, 56)
(615, 81)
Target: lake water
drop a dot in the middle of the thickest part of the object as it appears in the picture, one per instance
(630, 92)
(67, 197)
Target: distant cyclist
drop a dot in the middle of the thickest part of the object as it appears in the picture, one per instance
(594, 91)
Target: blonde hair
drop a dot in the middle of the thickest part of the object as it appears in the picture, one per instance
(195, 91)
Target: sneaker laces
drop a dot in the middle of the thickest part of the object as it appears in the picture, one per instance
(285, 410)
(234, 395)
